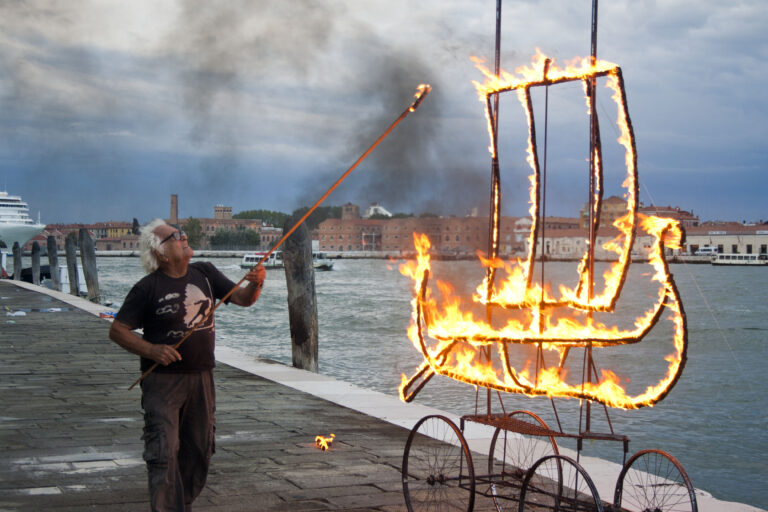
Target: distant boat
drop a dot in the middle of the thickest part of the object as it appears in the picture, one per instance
(321, 262)
(275, 260)
(15, 224)
(740, 259)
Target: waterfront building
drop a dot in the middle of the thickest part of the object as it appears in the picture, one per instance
(612, 208)
(685, 218)
(457, 236)
(728, 237)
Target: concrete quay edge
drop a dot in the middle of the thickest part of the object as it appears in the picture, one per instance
(389, 408)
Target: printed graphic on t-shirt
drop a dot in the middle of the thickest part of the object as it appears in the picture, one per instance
(194, 305)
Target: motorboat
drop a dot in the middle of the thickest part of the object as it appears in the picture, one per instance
(274, 260)
(320, 260)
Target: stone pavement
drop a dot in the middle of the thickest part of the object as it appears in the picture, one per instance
(70, 430)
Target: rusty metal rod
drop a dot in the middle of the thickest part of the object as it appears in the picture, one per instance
(423, 90)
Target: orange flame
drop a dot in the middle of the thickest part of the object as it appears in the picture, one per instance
(324, 443)
(450, 335)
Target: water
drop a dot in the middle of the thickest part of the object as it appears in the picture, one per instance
(714, 420)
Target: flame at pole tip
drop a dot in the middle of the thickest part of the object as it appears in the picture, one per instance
(421, 92)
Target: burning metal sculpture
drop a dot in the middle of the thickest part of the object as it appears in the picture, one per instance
(459, 343)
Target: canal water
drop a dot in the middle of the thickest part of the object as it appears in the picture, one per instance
(714, 420)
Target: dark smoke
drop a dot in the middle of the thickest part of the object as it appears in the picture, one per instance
(414, 170)
(224, 43)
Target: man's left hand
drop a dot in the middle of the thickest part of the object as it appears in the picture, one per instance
(256, 275)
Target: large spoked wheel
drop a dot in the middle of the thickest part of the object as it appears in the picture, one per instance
(654, 481)
(558, 483)
(437, 467)
(513, 453)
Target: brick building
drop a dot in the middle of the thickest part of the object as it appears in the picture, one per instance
(121, 243)
(685, 218)
(611, 209)
(222, 220)
(448, 235)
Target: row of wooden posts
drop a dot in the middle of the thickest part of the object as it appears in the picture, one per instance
(87, 259)
(299, 273)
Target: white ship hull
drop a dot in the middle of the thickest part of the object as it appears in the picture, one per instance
(15, 224)
(22, 233)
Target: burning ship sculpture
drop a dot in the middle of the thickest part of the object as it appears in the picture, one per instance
(462, 342)
(516, 334)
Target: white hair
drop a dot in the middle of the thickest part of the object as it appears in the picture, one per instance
(150, 243)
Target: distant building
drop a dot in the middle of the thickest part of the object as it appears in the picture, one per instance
(269, 235)
(612, 208)
(42, 239)
(110, 229)
(350, 211)
(448, 235)
(122, 243)
(350, 234)
(685, 218)
(727, 237)
(222, 220)
(221, 212)
(615, 207)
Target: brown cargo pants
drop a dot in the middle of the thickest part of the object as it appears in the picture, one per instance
(178, 436)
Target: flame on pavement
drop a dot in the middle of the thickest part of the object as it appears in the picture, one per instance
(324, 443)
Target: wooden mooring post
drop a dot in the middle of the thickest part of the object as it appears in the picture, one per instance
(70, 249)
(88, 257)
(16, 261)
(302, 301)
(53, 262)
(35, 263)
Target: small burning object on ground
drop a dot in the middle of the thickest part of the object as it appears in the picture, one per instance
(324, 443)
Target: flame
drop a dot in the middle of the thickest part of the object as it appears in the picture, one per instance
(421, 92)
(450, 331)
(324, 443)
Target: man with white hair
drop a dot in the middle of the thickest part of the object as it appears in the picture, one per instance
(178, 397)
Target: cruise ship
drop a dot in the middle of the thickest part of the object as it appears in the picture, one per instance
(15, 224)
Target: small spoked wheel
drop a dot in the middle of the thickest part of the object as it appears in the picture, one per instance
(654, 481)
(558, 483)
(513, 453)
(437, 467)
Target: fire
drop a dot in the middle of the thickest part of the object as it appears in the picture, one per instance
(421, 92)
(324, 443)
(458, 342)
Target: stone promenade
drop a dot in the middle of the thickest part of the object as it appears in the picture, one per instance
(70, 430)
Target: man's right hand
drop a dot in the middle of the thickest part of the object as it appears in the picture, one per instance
(123, 336)
(164, 354)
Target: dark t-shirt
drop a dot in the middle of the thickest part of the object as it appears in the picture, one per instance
(167, 307)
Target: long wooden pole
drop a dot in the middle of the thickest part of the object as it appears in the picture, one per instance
(423, 90)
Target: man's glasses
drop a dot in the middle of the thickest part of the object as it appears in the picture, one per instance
(176, 235)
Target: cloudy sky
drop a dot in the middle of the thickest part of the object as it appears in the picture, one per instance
(108, 107)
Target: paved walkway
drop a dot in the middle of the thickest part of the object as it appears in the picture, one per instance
(70, 429)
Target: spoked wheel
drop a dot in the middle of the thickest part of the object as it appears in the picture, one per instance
(654, 481)
(513, 453)
(437, 467)
(558, 483)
